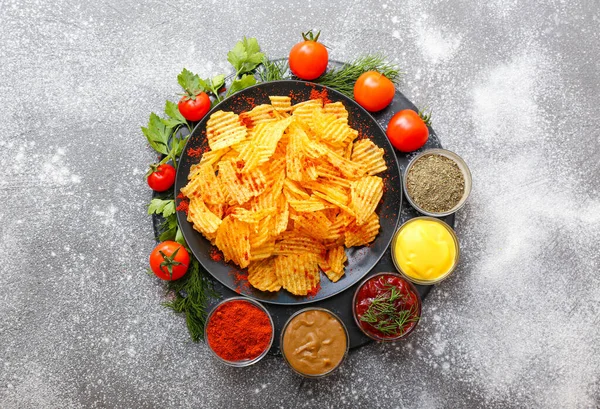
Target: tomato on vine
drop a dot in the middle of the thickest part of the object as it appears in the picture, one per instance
(374, 91)
(160, 177)
(407, 130)
(308, 59)
(169, 260)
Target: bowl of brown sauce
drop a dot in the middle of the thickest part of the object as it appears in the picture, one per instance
(314, 342)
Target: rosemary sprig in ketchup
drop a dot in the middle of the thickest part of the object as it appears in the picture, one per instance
(387, 307)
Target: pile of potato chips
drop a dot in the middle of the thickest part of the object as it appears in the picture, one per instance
(284, 189)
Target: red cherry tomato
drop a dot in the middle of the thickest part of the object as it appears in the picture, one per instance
(194, 108)
(169, 260)
(374, 91)
(161, 177)
(407, 131)
(308, 59)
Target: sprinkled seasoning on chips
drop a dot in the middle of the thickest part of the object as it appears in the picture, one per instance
(284, 189)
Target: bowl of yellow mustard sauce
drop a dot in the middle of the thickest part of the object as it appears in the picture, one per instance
(425, 250)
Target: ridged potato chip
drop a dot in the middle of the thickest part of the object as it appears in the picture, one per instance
(298, 273)
(217, 209)
(262, 241)
(205, 221)
(336, 108)
(294, 157)
(335, 130)
(262, 251)
(333, 264)
(366, 194)
(262, 275)
(313, 224)
(295, 243)
(211, 157)
(240, 186)
(258, 115)
(224, 129)
(233, 239)
(281, 103)
(361, 235)
(205, 184)
(260, 234)
(304, 110)
(263, 143)
(348, 168)
(251, 217)
(282, 216)
(370, 155)
(312, 204)
(294, 190)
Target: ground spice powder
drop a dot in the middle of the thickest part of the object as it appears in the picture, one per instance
(435, 183)
(183, 205)
(314, 94)
(239, 330)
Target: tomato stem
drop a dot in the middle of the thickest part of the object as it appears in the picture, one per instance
(169, 261)
(425, 116)
(309, 36)
(152, 168)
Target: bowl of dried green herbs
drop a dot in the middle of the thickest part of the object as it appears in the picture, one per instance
(437, 182)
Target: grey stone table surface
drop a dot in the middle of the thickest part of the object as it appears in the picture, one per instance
(513, 86)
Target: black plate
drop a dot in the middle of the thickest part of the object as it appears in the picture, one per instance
(341, 303)
(360, 259)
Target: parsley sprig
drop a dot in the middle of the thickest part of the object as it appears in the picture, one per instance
(244, 57)
(163, 136)
(193, 85)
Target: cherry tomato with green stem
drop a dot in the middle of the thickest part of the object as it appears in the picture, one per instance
(407, 130)
(308, 59)
(169, 260)
(161, 177)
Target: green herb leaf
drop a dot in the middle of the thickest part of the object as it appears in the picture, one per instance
(217, 82)
(157, 134)
(239, 84)
(245, 55)
(177, 145)
(384, 315)
(273, 70)
(164, 207)
(191, 294)
(175, 117)
(188, 80)
(191, 83)
(169, 229)
(179, 237)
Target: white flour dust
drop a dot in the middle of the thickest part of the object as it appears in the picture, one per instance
(435, 45)
(54, 171)
(539, 225)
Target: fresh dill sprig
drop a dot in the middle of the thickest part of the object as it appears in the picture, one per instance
(342, 79)
(191, 294)
(273, 70)
(384, 316)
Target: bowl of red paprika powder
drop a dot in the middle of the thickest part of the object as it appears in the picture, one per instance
(239, 331)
